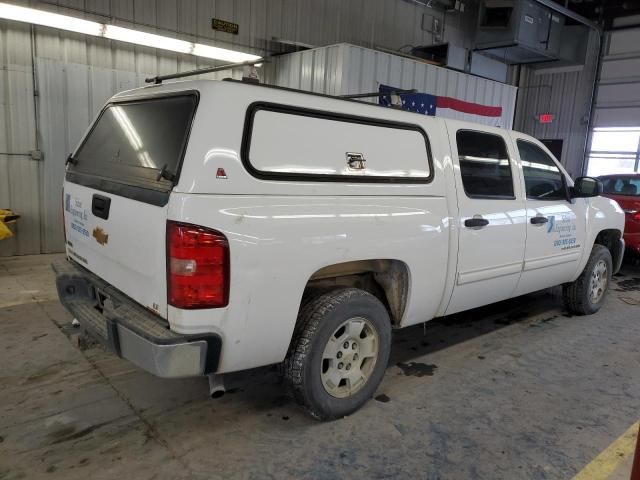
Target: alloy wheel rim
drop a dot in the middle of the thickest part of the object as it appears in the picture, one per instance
(598, 283)
(349, 357)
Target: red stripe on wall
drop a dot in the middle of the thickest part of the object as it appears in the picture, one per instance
(468, 107)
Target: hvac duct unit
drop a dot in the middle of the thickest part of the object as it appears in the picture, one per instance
(518, 31)
(444, 54)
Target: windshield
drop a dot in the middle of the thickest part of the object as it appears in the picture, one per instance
(133, 143)
(629, 186)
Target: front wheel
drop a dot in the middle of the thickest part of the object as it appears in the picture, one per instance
(339, 352)
(586, 294)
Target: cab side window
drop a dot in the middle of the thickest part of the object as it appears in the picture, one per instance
(484, 165)
(542, 177)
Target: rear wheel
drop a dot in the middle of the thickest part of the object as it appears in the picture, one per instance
(587, 293)
(339, 352)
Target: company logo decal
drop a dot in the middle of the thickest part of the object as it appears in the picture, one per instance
(552, 223)
(101, 237)
(562, 229)
(77, 215)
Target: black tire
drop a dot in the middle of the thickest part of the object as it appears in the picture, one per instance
(577, 294)
(317, 322)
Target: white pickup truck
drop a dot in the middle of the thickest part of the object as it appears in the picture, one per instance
(213, 227)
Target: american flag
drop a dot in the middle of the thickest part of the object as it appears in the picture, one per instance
(427, 104)
(413, 102)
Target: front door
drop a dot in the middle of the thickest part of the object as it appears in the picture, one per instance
(491, 215)
(555, 225)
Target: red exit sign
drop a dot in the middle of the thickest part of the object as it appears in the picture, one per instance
(545, 117)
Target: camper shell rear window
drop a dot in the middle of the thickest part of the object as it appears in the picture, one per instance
(135, 148)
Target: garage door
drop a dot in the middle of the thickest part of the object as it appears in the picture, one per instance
(615, 140)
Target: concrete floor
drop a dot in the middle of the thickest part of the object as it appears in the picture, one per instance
(515, 390)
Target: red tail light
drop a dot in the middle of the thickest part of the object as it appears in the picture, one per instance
(636, 216)
(197, 267)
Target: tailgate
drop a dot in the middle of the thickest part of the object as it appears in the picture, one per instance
(116, 192)
(126, 249)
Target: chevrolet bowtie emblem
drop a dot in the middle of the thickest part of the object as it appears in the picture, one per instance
(101, 237)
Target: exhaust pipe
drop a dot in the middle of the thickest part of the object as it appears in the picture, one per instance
(216, 386)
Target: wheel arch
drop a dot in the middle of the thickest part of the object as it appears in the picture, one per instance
(386, 279)
(611, 238)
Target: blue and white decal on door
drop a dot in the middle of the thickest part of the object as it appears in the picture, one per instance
(563, 229)
(78, 215)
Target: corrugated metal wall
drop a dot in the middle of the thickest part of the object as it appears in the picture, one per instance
(618, 99)
(567, 95)
(74, 74)
(347, 69)
(19, 174)
(387, 23)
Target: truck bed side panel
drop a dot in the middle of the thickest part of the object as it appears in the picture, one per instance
(278, 242)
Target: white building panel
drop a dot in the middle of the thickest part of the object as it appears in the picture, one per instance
(345, 69)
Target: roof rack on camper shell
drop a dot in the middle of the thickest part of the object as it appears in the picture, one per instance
(158, 79)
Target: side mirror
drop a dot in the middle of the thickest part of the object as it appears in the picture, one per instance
(585, 187)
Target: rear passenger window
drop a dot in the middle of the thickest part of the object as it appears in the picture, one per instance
(542, 177)
(484, 165)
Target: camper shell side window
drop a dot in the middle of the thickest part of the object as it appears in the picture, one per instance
(282, 142)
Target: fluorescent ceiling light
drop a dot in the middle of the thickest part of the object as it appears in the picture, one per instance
(147, 39)
(112, 32)
(222, 54)
(48, 19)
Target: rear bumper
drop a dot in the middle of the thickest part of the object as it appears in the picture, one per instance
(131, 331)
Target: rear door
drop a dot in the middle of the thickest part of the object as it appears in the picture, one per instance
(491, 216)
(116, 190)
(556, 226)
